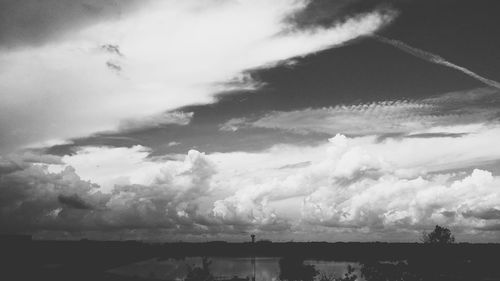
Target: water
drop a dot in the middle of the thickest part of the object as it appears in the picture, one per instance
(262, 268)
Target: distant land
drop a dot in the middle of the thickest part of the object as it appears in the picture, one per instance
(90, 260)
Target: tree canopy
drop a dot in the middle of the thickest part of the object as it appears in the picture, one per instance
(440, 235)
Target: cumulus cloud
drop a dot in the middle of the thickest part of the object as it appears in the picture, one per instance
(168, 54)
(108, 166)
(38, 199)
(34, 199)
(362, 185)
(386, 117)
(394, 202)
(74, 201)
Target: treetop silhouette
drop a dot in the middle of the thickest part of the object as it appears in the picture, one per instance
(440, 235)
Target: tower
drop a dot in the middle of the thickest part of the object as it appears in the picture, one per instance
(253, 238)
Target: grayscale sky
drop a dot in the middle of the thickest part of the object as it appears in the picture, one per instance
(304, 120)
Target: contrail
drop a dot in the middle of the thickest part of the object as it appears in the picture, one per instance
(430, 57)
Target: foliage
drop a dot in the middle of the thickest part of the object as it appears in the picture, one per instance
(440, 235)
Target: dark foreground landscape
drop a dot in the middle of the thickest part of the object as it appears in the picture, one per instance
(26, 259)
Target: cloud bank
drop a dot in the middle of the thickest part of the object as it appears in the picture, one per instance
(362, 187)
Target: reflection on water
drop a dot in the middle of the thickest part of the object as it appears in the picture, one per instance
(246, 268)
(426, 268)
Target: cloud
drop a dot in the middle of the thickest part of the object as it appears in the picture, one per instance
(295, 165)
(109, 166)
(74, 201)
(21, 160)
(487, 214)
(399, 203)
(402, 185)
(166, 118)
(173, 54)
(8, 166)
(233, 125)
(399, 117)
(33, 199)
(361, 186)
(37, 199)
(173, 143)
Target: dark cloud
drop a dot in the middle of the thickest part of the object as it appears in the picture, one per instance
(8, 166)
(34, 22)
(113, 49)
(30, 200)
(74, 201)
(34, 200)
(296, 165)
(383, 137)
(495, 227)
(113, 66)
(22, 160)
(488, 214)
(449, 214)
(436, 135)
(32, 156)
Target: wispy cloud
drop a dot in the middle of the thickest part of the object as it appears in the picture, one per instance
(386, 117)
(167, 54)
(173, 117)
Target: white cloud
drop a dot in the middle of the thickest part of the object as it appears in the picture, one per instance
(233, 125)
(415, 203)
(165, 118)
(394, 185)
(108, 166)
(173, 143)
(361, 185)
(174, 53)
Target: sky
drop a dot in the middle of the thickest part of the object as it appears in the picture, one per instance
(200, 120)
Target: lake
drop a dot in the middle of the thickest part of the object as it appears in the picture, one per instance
(224, 268)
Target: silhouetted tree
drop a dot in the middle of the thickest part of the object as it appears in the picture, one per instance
(440, 235)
